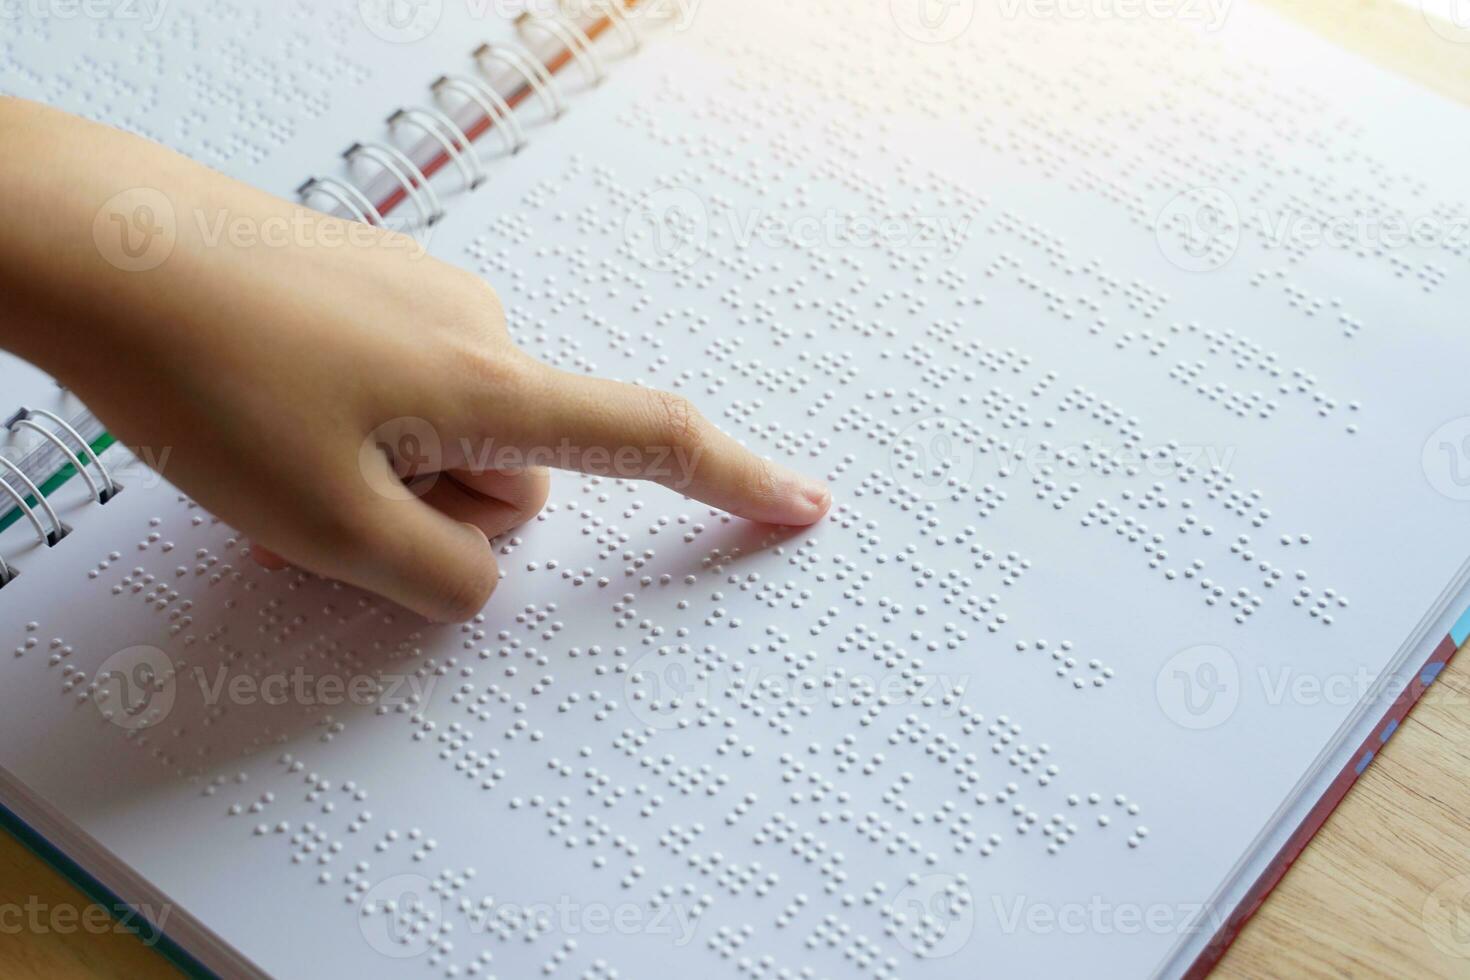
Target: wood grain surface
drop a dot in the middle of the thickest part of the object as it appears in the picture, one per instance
(1383, 890)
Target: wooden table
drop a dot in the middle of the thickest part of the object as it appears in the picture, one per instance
(1355, 903)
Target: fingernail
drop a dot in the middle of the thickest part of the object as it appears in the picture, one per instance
(817, 494)
(811, 497)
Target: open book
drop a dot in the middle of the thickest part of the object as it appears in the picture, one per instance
(1133, 349)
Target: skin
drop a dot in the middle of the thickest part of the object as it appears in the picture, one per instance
(288, 379)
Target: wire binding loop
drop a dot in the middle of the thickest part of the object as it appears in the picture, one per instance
(491, 103)
(109, 485)
(531, 69)
(617, 15)
(58, 530)
(25, 508)
(403, 170)
(569, 36)
(349, 197)
(442, 130)
(55, 440)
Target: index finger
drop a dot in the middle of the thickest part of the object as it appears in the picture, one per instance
(612, 429)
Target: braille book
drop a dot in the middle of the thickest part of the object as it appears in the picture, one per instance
(1131, 346)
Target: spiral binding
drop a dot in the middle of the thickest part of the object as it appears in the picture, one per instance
(491, 103)
(406, 172)
(58, 530)
(532, 70)
(442, 130)
(398, 175)
(448, 134)
(345, 194)
(618, 16)
(22, 482)
(572, 38)
(109, 487)
(7, 574)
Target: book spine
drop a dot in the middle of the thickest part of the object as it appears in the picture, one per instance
(470, 106)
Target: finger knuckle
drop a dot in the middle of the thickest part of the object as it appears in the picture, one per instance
(398, 241)
(678, 420)
(502, 372)
(535, 495)
(345, 530)
(475, 299)
(486, 297)
(460, 597)
(762, 481)
(466, 305)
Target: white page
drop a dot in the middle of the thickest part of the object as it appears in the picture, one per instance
(25, 386)
(24, 383)
(1063, 143)
(269, 92)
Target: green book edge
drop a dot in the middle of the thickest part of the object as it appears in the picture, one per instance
(38, 845)
(99, 893)
(57, 480)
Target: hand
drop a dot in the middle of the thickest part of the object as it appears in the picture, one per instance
(296, 384)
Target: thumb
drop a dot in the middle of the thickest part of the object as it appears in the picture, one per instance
(421, 558)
